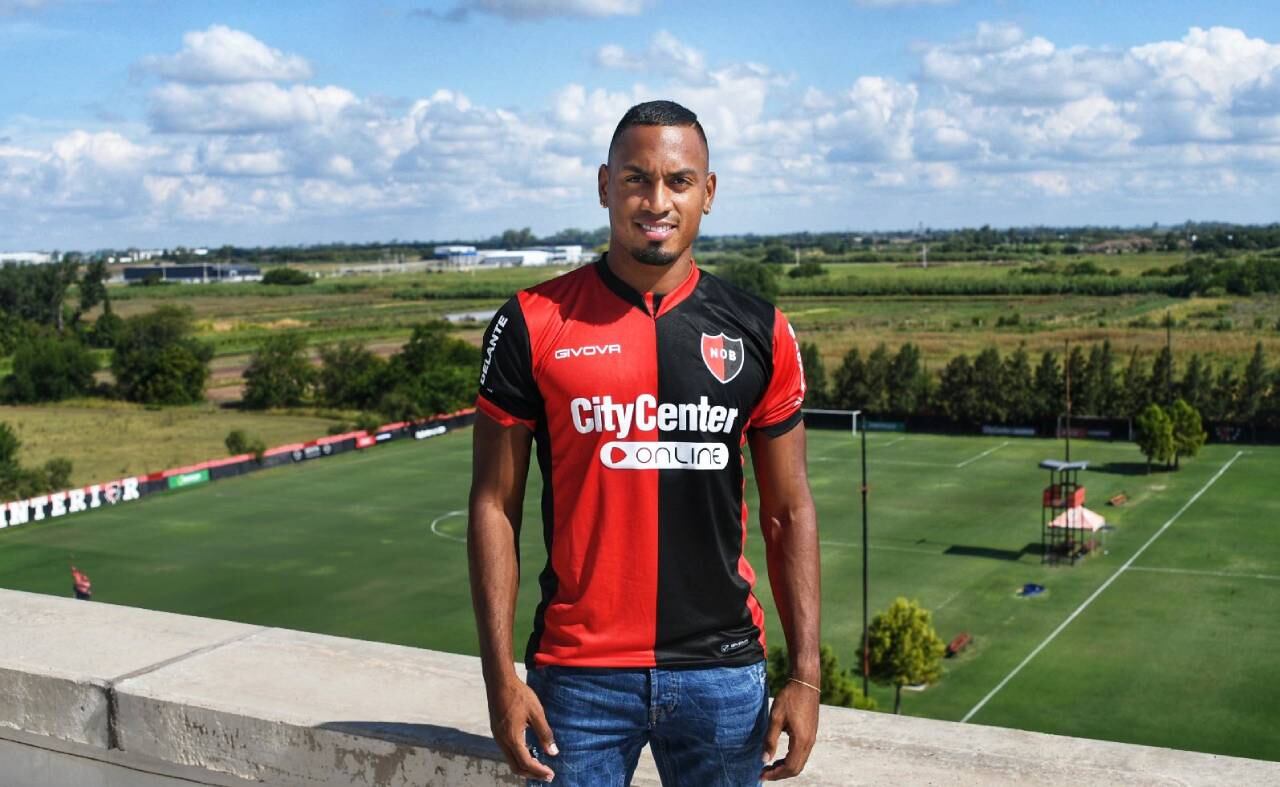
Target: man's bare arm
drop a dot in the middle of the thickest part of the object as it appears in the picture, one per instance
(790, 528)
(500, 465)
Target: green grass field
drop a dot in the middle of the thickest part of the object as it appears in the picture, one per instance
(1172, 648)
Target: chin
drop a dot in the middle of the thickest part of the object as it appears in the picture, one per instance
(654, 255)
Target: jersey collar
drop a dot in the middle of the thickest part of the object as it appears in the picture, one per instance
(641, 300)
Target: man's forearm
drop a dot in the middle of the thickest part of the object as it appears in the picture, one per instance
(795, 577)
(495, 580)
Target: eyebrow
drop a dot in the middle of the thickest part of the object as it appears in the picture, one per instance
(687, 171)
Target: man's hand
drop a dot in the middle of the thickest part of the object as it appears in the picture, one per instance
(513, 707)
(795, 712)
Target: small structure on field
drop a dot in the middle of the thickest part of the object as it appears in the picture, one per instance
(1068, 530)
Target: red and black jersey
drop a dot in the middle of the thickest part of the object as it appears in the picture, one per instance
(640, 405)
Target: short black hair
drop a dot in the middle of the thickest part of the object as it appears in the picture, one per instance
(659, 113)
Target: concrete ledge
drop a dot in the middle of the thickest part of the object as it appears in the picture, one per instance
(92, 694)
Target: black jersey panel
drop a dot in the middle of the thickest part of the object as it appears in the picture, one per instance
(506, 364)
(715, 347)
(548, 582)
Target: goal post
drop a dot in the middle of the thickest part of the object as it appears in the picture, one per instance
(832, 419)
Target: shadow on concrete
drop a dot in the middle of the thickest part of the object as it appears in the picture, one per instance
(428, 735)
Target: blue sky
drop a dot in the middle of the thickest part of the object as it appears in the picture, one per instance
(159, 123)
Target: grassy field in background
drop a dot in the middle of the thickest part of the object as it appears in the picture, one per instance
(108, 440)
(382, 310)
(1176, 651)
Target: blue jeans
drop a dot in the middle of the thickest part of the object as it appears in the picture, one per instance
(706, 726)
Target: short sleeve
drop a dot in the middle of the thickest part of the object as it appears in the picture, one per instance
(778, 410)
(508, 392)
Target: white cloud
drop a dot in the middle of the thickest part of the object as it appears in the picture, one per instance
(666, 55)
(521, 10)
(223, 55)
(249, 107)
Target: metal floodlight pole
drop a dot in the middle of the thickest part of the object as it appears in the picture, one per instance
(866, 669)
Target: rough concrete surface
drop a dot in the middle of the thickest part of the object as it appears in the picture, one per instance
(90, 693)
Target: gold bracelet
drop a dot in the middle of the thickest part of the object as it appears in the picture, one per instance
(802, 683)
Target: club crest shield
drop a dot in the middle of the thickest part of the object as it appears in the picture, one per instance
(722, 355)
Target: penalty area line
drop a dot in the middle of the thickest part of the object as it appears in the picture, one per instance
(1098, 592)
(987, 452)
(435, 526)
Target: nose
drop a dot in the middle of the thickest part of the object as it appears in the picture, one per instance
(657, 198)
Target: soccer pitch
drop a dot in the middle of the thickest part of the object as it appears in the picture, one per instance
(1168, 639)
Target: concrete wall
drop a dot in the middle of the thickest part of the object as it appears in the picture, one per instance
(94, 695)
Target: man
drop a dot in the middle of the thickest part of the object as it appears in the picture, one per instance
(80, 585)
(639, 378)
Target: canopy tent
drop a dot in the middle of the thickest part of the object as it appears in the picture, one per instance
(1079, 518)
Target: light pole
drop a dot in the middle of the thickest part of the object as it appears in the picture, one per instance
(866, 668)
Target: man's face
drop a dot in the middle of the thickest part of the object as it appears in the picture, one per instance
(657, 188)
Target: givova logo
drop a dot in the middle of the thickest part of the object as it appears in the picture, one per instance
(620, 455)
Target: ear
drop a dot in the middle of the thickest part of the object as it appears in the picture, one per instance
(711, 193)
(602, 184)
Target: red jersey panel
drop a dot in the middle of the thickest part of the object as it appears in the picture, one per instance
(640, 405)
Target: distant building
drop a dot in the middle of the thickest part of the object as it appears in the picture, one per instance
(136, 255)
(456, 256)
(569, 255)
(518, 258)
(200, 273)
(25, 258)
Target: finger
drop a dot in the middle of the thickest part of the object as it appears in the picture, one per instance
(526, 765)
(782, 769)
(520, 759)
(542, 730)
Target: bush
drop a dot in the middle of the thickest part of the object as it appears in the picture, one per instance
(49, 369)
(291, 277)
(753, 277)
(807, 270)
(279, 373)
(239, 443)
(157, 361)
(839, 686)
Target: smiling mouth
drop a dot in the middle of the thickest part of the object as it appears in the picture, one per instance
(657, 232)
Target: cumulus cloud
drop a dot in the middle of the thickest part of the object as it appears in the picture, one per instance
(521, 10)
(998, 119)
(223, 55)
(666, 55)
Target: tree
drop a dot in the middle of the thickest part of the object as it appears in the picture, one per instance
(775, 254)
(1253, 387)
(1049, 403)
(1019, 386)
(433, 373)
(903, 649)
(839, 686)
(1082, 393)
(878, 370)
(1197, 383)
(291, 277)
(1134, 387)
(808, 269)
(1160, 383)
(756, 278)
(956, 394)
(157, 360)
(351, 376)
(989, 395)
(904, 384)
(1188, 433)
(849, 387)
(50, 369)
(1100, 371)
(279, 373)
(17, 482)
(93, 289)
(1226, 391)
(1154, 434)
(815, 376)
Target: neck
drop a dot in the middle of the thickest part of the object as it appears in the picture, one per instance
(657, 279)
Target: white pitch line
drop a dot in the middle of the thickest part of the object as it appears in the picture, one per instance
(893, 442)
(1098, 592)
(984, 453)
(443, 517)
(1198, 572)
